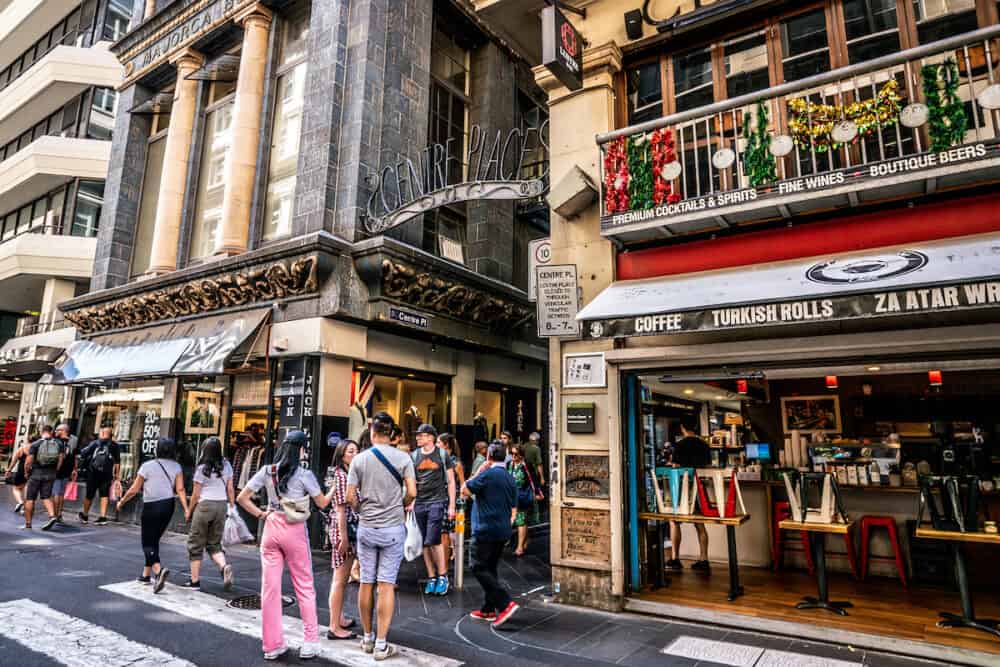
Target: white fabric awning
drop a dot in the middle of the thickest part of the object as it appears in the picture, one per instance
(959, 273)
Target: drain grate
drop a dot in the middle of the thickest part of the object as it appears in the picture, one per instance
(253, 602)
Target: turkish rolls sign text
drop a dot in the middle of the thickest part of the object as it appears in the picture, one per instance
(938, 298)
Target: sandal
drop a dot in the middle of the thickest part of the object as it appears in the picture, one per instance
(330, 635)
(350, 624)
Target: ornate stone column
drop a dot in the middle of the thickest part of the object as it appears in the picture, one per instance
(241, 168)
(170, 202)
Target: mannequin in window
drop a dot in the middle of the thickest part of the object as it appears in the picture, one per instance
(480, 428)
(357, 420)
(411, 422)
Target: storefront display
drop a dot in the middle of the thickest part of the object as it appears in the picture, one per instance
(129, 411)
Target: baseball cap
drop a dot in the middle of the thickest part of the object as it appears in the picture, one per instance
(333, 439)
(428, 429)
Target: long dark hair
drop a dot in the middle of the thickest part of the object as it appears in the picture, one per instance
(211, 457)
(340, 451)
(288, 458)
(451, 444)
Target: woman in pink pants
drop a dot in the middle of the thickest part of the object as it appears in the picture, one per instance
(286, 542)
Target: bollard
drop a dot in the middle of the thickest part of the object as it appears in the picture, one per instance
(459, 545)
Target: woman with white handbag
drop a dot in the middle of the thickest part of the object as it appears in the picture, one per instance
(286, 542)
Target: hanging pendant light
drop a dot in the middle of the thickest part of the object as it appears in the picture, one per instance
(914, 115)
(990, 97)
(844, 132)
(782, 145)
(671, 170)
(723, 158)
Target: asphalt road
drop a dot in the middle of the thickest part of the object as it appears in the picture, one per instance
(66, 597)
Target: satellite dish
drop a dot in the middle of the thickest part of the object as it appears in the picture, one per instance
(671, 170)
(782, 145)
(723, 158)
(914, 115)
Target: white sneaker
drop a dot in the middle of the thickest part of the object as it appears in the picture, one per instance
(309, 650)
(275, 654)
(367, 646)
(385, 653)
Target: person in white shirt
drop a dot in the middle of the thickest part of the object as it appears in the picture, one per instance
(159, 480)
(213, 495)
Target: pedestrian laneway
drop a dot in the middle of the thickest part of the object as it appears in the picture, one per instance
(69, 597)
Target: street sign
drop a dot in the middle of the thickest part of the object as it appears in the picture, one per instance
(562, 48)
(539, 254)
(558, 300)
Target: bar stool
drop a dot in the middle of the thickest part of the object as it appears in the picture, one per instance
(782, 511)
(887, 522)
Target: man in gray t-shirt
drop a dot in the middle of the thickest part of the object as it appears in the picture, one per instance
(380, 483)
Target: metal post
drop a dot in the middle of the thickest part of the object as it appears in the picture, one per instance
(459, 545)
(962, 581)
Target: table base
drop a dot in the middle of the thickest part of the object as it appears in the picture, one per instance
(949, 620)
(809, 602)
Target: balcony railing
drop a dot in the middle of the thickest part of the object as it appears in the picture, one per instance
(911, 122)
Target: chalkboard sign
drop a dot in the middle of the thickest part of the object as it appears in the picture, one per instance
(586, 535)
(587, 476)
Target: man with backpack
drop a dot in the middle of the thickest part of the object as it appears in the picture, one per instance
(45, 456)
(66, 472)
(435, 500)
(379, 485)
(102, 459)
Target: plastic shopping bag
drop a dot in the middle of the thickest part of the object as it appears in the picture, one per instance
(116, 491)
(71, 491)
(235, 530)
(413, 548)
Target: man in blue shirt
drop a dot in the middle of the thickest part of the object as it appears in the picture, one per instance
(496, 509)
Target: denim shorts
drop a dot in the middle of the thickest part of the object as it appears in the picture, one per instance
(380, 552)
(59, 487)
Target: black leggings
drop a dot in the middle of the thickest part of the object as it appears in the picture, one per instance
(156, 517)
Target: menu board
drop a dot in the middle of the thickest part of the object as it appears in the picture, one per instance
(586, 535)
(587, 476)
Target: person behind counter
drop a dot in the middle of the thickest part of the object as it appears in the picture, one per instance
(690, 452)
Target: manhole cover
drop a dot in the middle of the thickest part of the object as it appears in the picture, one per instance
(253, 602)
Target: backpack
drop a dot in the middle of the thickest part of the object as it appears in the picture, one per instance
(48, 452)
(100, 460)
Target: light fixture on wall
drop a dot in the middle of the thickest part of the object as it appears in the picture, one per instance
(935, 378)
(832, 382)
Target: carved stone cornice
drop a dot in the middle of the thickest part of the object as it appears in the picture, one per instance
(278, 280)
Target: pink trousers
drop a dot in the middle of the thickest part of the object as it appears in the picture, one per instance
(286, 543)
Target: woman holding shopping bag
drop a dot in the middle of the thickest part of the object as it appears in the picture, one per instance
(159, 480)
(286, 541)
(343, 538)
(213, 494)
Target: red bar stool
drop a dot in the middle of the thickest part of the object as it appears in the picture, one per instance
(887, 522)
(783, 511)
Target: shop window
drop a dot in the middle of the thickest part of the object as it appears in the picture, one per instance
(449, 100)
(746, 64)
(143, 245)
(211, 180)
(532, 115)
(449, 61)
(116, 19)
(938, 19)
(872, 29)
(287, 130)
(89, 200)
(202, 413)
(487, 415)
(411, 402)
(693, 80)
(131, 412)
(805, 45)
(644, 90)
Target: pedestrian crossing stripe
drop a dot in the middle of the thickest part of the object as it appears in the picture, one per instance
(76, 642)
(211, 609)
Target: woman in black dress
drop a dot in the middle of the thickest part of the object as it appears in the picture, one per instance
(17, 477)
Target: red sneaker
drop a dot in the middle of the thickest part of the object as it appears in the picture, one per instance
(505, 615)
(482, 616)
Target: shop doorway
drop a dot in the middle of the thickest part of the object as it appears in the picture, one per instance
(875, 427)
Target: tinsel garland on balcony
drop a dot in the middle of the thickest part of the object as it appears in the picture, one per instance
(811, 123)
(633, 178)
(946, 111)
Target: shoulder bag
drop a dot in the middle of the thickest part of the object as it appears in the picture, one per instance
(296, 509)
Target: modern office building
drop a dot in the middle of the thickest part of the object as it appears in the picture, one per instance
(57, 83)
